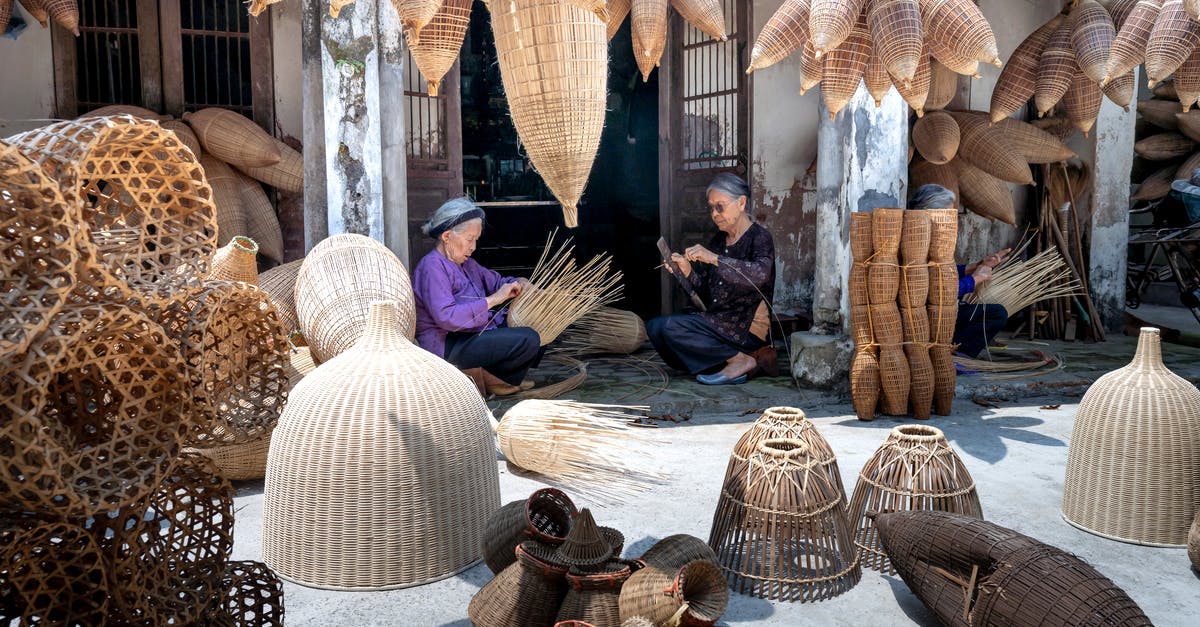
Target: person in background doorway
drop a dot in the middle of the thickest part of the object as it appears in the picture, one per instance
(455, 296)
(977, 325)
(734, 275)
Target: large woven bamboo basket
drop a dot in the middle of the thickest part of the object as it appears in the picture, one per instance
(94, 412)
(415, 14)
(407, 438)
(437, 47)
(1092, 34)
(936, 137)
(696, 593)
(1129, 46)
(915, 469)
(253, 595)
(830, 22)
(279, 283)
(788, 423)
(984, 194)
(618, 10)
(236, 261)
(233, 138)
(844, 66)
(239, 462)
(553, 60)
(1171, 41)
(528, 592)
(986, 148)
(38, 251)
(593, 598)
(951, 59)
(1164, 146)
(784, 33)
(52, 569)
(1132, 464)
(876, 79)
(1082, 102)
(147, 207)
(287, 175)
(960, 26)
(705, 15)
(227, 199)
(262, 223)
(780, 530)
(185, 135)
(894, 379)
(648, 24)
(864, 381)
(1034, 144)
(544, 516)
(898, 36)
(972, 572)
(1055, 70)
(943, 234)
(1018, 80)
(337, 283)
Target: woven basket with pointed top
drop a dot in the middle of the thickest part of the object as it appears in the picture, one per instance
(843, 66)
(1172, 40)
(705, 15)
(1034, 144)
(960, 26)
(788, 423)
(1129, 46)
(1055, 69)
(436, 48)
(936, 137)
(236, 261)
(1187, 82)
(784, 33)
(415, 15)
(985, 194)
(585, 545)
(1082, 102)
(1018, 80)
(287, 175)
(898, 35)
(830, 22)
(1092, 34)
(916, 92)
(950, 59)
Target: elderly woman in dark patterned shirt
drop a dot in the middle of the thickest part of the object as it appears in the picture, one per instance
(734, 275)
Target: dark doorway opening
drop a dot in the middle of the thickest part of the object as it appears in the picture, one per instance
(619, 211)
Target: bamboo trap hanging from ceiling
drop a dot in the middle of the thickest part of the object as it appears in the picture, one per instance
(437, 47)
(560, 292)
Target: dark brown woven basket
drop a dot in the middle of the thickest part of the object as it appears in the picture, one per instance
(883, 280)
(791, 423)
(894, 380)
(921, 379)
(53, 573)
(944, 378)
(544, 516)
(672, 552)
(971, 572)
(528, 592)
(864, 382)
(586, 546)
(594, 598)
(695, 593)
(253, 597)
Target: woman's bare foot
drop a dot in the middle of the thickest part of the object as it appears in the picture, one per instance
(738, 365)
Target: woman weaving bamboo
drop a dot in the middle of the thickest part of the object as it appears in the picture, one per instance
(455, 295)
(734, 275)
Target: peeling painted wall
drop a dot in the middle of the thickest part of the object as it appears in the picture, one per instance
(27, 98)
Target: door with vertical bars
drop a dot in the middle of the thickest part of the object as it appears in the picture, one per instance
(434, 150)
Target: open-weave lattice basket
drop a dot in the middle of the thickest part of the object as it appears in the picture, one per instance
(788, 423)
(252, 597)
(93, 413)
(54, 573)
(1133, 464)
(545, 516)
(528, 592)
(148, 210)
(407, 438)
(336, 284)
(780, 529)
(553, 58)
(972, 572)
(914, 469)
(696, 592)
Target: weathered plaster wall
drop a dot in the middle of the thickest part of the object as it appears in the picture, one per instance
(285, 47)
(27, 76)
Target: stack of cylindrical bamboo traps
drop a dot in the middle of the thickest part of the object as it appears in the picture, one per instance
(903, 306)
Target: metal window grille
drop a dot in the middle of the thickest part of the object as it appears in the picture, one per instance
(108, 70)
(215, 36)
(711, 84)
(425, 118)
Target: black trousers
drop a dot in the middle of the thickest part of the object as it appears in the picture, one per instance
(507, 352)
(977, 325)
(688, 342)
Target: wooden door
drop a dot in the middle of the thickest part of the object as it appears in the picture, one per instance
(703, 126)
(435, 175)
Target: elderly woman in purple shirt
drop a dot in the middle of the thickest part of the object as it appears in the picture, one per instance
(455, 296)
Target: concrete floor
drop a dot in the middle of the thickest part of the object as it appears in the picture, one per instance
(1016, 452)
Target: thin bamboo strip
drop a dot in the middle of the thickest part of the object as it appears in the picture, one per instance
(916, 92)
(1034, 144)
(1174, 37)
(1083, 102)
(960, 25)
(784, 33)
(1092, 34)
(987, 365)
(897, 35)
(1129, 47)
(440, 41)
(1055, 69)
(986, 148)
(705, 15)
(1018, 79)
(1017, 285)
(830, 22)
(1120, 90)
(936, 137)
(559, 292)
(844, 66)
(948, 57)
(1187, 81)
(649, 21)
(943, 85)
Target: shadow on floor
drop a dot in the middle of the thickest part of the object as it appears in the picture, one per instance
(912, 607)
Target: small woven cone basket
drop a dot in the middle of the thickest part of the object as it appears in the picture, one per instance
(788, 423)
(545, 516)
(235, 261)
(233, 138)
(673, 552)
(784, 33)
(780, 530)
(553, 60)
(695, 594)
(528, 592)
(586, 547)
(407, 437)
(1132, 462)
(971, 572)
(914, 470)
(864, 382)
(593, 598)
(52, 569)
(436, 48)
(936, 137)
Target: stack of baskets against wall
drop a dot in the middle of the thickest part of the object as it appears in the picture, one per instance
(903, 305)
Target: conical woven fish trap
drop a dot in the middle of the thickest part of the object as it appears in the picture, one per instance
(585, 546)
(984, 194)
(1164, 146)
(36, 11)
(594, 598)
(859, 292)
(649, 21)
(1156, 185)
(545, 516)
(227, 197)
(251, 596)
(147, 208)
(279, 284)
(337, 283)
(864, 381)
(922, 172)
(231, 342)
(877, 79)
(528, 592)
(436, 48)
(1160, 113)
(1120, 10)
(921, 378)
(233, 138)
(894, 379)
(673, 552)
(1187, 82)
(414, 15)
(1132, 464)
(886, 225)
(1082, 102)
(942, 319)
(53, 573)
(788, 423)
(784, 33)
(972, 572)
(916, 91)
(831, 22)
(950, 59)
(185, 135)
(406, 434)
(64, 12)
(1032, 143)
(1172, 40)
(1018, 79)
(1129, 46)
(1092, 34)
(1189, 123)
(943, 284)
(936, 137)
(262, 223)
(914, 286)
(618, 10)
(944, 376)
(38, 252)
(915, 323)
(705, 15)
(167, 553)
(1194, 542)
(811, 68)
(287, 175)
(561, 292)
(960, 26)
(236, 261)
(606, 330)
(1055, 69)
(885, 323)
(94, 412)
(883, 281)
(861, 244)
(1120, 90)
(843, 67)
(986, 148)
(553, 60)
(943, 85)
(694, 594)
(915, 469)
(898, 35)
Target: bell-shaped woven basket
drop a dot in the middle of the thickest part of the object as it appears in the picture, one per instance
(593, 598)
(407, 437)
(545, 516)
(339, 280)
(788, 423)
(694, 594)
(587, 546)
(972, 572)
(780, 530)
(553, 60)
(1132, 463)
(528, 592)
(915, 469)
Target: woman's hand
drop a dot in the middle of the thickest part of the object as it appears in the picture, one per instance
(701, 254)
(996, 258)
(682, 263)
(981, 274)
(506, 291)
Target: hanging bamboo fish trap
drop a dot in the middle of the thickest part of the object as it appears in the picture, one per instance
(53, 571)
(36, 11)
(236, 261)
(553, 60)
(92, 413)
(788, 423)
(252, 595)
(897, 35)
(780, 529)
(943, 85)
(561, 292)
(287, 175)
(586, 447)
(694, 594)
(606, 330)
(936, 137)
(529, 592)
(1157, 185)
(1019, 284)
(843, 66)
(877, 79)
(950, 59)
(64, 12)
(1187, 82)
(649, 21)
(1131, 465)
(784, 33)
(916, 92)
(1174, 37)
(618, 10)
(384, 399)
(440, 41)
(593, 598)
(960, 26)
(1018, 79)
(830, 22)
(1129, 46)
(706, 15)
(279, 284)
(414, 15)
(811, 68)
(1032, 143)
(545, 516)
(1092, 34)
(986, 148)
(233, 138)
(1055, 70)
(914, 470)
(972, 572)
(985, 194)
(1082, 102)
(262, 223)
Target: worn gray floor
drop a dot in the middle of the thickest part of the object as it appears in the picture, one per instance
(1016, 451)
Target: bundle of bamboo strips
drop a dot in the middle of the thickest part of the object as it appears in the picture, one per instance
(1019, 284)
(560, 292)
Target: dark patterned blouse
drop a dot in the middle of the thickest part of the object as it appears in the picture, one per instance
(743, 277)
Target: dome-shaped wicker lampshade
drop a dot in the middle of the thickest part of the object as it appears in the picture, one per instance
(914, 469)
(382, 472)
(780, 530)
(788, 423)
(1133, 464)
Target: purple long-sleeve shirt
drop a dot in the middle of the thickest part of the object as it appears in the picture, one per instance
(452, 297)
(966, 282)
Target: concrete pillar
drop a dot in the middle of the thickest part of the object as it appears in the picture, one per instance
(862, 163)
(360, 121)
(1112, 158)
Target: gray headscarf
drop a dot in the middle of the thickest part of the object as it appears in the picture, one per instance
(451, 214)
(931, 196)
(731, 184)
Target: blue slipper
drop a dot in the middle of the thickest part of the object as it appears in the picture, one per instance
(720, 379)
